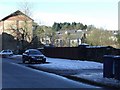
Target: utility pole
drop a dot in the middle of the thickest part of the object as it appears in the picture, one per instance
(119, 17)
(3, 41)
(17, 24)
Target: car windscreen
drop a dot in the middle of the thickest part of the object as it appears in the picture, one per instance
(35, 52)
(4, 51)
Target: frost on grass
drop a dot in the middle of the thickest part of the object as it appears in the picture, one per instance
(60, 64)
(98, 77)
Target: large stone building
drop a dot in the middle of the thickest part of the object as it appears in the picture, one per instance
(17, 26)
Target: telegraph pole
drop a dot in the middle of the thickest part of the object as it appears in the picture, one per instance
(3, 41)
(118, 34)
(17, 23)
(119, 17)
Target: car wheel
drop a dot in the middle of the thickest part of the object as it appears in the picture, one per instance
(23, 60)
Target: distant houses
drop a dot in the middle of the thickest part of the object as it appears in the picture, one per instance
(72, 37)
(17, 28)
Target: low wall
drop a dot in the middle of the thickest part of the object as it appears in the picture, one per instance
(97, 53)
(90, 53)
(62, 52)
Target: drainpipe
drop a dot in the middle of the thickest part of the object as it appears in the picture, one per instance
(3, 37)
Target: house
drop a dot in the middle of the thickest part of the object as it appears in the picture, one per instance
(114, 32)
(18, 26)
(71, 37)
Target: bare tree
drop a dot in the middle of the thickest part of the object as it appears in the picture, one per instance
(26, 7)
(22, 27)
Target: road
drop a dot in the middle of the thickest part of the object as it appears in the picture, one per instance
(17, 75)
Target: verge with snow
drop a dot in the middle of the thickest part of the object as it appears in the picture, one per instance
(89, 70)
(61, 64)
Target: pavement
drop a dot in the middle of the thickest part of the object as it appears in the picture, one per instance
(88, 76)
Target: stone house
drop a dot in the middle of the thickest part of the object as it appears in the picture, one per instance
(18, 26)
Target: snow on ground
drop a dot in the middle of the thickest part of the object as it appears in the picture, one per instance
(15, 56)
(89, 70)
(98, 77)
(59, 64)
(69, 67)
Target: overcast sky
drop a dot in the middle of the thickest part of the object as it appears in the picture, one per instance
(100, 13)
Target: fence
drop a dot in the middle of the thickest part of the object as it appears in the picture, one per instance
(62, 52)
(80, 53)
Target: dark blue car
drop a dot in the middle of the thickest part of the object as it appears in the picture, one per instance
(33, 55)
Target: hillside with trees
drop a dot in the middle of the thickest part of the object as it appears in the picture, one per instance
(94, 36)
(68, 26)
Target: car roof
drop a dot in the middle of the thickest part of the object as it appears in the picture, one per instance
(32, 50)
(7, 50)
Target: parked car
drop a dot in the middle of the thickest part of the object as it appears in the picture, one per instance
(6, 53)
(33, 55)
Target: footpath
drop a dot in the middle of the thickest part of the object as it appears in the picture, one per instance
(85, 71)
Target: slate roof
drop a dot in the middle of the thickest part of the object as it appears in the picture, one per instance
(73, 33)
(15, 14)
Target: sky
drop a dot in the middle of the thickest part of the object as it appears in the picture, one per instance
(100, 13)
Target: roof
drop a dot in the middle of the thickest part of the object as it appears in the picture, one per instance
(70, 31)
(74, 34)
(15, 14)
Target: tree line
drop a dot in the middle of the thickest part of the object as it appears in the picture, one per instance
(94, 36)
(68, 26)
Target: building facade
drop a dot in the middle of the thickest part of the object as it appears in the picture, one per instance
(18, 26)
